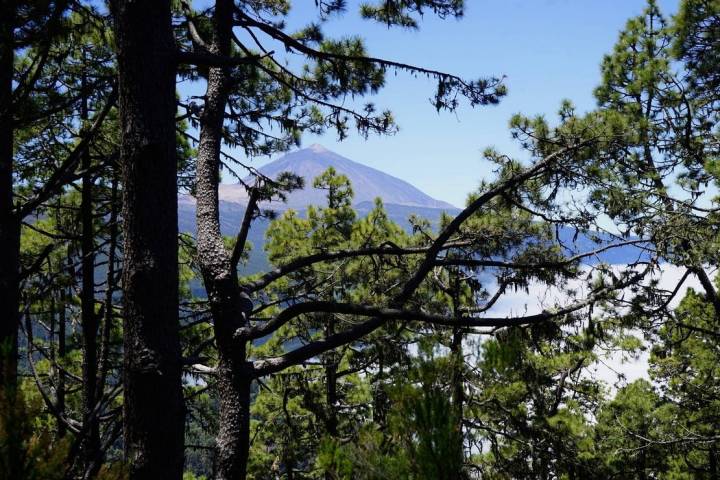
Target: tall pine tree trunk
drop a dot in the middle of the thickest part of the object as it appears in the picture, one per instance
(111, 287)
(233, 440)
(458, 387)
(90, 445)
(62, 350)
(234, 375)
(331, 395)
(153, 404)
(9, 223)
(457, 376)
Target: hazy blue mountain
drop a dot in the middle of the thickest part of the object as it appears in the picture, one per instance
(368, 183)
(231, 215)
(401, 200)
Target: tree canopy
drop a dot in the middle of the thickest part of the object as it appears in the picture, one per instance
(367, 349)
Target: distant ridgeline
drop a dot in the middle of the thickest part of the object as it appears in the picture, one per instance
(400, 199)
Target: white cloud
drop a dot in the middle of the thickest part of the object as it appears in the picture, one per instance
(539, 296)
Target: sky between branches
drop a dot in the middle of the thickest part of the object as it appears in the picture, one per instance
(549, 50)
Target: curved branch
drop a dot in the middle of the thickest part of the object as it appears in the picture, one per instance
(476, 205)
(295, 265)
(312, 349)
(710, 292)
(381, 315)
(471, 262)
(292, 43)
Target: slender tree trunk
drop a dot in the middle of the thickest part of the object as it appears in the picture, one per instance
(90, 443)
(457, 376)
(234, 374)
(642, 460)
(380, 398)
(9, 223)
(331, 397)
(154, 414)
(458, 390)
(62, 349)
(713, 462)
(331, 422)
(109, 314)
(53, 327)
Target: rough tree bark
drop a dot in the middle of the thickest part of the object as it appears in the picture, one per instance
(9, 223)
(713, 463)
(90, 443)
(111, 288)
(331, 395)
(62, 352)
(458, 366)
(234, 375)
(153, 403)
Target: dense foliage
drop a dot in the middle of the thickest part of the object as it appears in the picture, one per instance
(367, 350)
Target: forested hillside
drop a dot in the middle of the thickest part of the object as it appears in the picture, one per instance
(320, 319)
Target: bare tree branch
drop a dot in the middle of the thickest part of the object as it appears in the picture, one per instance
(239, 247)
(264, 367)
(472, 262)
(381, 315)
(385, 249)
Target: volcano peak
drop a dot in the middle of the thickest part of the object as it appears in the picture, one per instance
(368, 183)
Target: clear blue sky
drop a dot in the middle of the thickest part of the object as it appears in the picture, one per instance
(548, 49)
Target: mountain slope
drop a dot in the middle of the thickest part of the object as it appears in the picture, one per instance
(367, 183)
(399, 197)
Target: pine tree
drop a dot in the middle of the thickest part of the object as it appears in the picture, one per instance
(684, 363)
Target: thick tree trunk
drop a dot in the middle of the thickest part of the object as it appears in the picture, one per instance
(233, 440)
(9, 223)
(234, 375)
(234, 372)
(153, 409)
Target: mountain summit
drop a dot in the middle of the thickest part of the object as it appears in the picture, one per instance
(367, 183)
